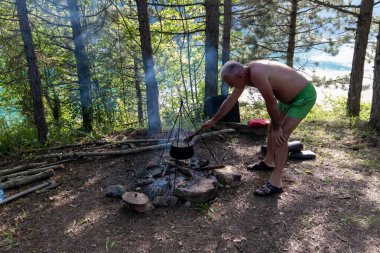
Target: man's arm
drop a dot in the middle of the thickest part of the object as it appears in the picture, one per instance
(224, 108)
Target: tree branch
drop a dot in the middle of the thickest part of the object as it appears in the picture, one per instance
(339, 8)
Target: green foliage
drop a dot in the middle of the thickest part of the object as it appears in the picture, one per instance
(16, 136)
(113, 48)
(262, 30)
(255, 110)
(7, 239)
(334, 109)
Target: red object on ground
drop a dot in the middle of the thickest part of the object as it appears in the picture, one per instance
(258, 122)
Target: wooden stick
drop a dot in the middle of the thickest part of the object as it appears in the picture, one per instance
(31, 172)
(139, 141)
(125, 152)
(17, 195)
(211, 134)
(98, 143)
(107, 153)
(121, 152)
(242, 128)
(11, 184)
(54, 163)
(20, 168)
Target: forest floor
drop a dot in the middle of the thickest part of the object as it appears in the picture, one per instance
(330, 204)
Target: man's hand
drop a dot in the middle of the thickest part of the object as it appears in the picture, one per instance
(278, 136)
(208, 124)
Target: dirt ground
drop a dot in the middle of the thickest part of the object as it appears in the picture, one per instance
(330, 204)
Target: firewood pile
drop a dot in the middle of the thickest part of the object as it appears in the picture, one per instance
(27, 174)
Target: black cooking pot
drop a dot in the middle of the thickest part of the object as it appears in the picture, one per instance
(181, 149)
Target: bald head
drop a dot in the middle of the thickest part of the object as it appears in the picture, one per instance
(230, 69)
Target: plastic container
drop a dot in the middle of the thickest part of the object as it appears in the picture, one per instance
(2, 194)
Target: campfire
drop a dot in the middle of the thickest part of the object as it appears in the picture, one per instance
(190, 180)
(182, 175)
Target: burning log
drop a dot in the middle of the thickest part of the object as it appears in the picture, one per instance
(181, 169)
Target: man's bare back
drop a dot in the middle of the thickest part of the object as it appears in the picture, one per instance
(286, 83)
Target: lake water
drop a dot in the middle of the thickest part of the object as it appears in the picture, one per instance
(323, 65)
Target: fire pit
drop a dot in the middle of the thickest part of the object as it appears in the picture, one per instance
(185, 175)
(191, 180)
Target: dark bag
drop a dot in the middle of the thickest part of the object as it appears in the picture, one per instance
(212, 105)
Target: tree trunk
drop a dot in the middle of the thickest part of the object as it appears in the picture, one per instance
(182, 72)
(189, 69)
(82, 63)
(226, 40)
(374, 119)
(33, 72)
(211, 48)
(361, 41)
(292, 34)
(138, 93)
(53, 103)
(154, 122)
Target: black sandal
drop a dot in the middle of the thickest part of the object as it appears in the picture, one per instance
(267, 190)
(260, 166)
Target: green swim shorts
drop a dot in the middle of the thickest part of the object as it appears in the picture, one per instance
(301, 105)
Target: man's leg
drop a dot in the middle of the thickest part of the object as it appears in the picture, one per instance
(270, 155)
(281, 155)
(281, 152)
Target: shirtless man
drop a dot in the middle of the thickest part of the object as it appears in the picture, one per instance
(288, 97)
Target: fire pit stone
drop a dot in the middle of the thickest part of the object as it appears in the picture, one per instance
(201, 189)
(159, 187)
(228, 175)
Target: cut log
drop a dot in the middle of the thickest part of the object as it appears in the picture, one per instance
(14, 183)
(23, 193)
(137, 201)
(125, 152)
(30, 172)
(21, 168)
